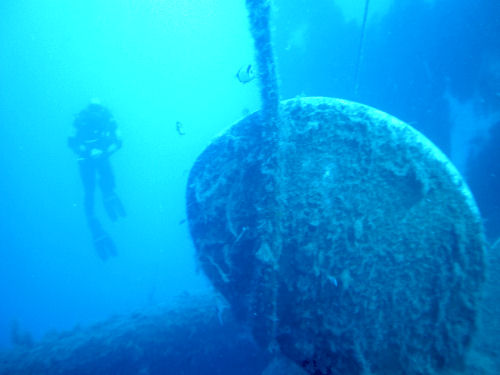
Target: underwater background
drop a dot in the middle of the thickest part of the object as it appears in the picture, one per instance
(155, 64)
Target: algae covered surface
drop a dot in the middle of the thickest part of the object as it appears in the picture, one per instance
(380, 256)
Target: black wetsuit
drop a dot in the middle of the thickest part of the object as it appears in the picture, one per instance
(94, 141)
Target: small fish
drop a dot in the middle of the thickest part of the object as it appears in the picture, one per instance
(245, 112)
(180, 128)
(245, 74)
(333, 280)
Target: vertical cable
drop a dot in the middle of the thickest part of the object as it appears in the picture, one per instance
(360, 49)
(265, 293)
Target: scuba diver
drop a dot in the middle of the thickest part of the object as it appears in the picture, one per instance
(96, 139)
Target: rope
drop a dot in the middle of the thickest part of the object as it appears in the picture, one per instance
(260, 17)
(360, 49)
(266, 299)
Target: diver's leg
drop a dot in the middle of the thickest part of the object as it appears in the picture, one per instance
(112, 203)
(102, 242)
(88, 176)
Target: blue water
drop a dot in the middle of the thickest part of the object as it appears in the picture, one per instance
(154, 63)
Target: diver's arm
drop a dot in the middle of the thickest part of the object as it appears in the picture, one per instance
(78, 147)
(107, 146)
(115, 142)
(102, 148)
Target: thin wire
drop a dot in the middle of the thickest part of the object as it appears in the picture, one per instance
(360, 49)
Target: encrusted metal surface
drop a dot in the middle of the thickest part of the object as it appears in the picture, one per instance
(381, 252)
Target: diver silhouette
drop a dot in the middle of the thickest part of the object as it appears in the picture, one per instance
(96, 139)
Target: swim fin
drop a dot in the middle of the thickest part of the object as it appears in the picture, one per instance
(105, 247)
(114, 207)
(103, 243)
